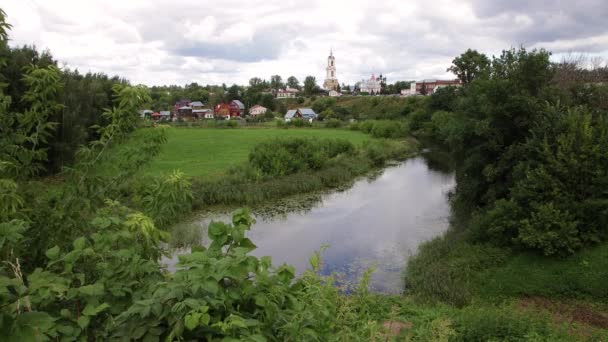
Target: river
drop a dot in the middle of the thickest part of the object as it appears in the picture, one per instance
(380, 221)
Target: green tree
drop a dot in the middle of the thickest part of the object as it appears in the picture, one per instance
(470, 65)
(276, 82)
(292, 82)
(233, 93)
(310, 85)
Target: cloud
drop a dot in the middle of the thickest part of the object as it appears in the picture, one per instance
(229, 41)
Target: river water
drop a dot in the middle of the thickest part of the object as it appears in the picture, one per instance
(380, 221)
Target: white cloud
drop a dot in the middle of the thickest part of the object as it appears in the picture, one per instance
(230, 41)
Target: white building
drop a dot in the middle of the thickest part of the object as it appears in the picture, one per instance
(371, 86)
(411, 91)
(257, 110)
(334, 93)
(331, 80)
(287, 93)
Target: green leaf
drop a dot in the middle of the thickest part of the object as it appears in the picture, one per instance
(191, 320)
(83, 321)
(216, 229)
(96, 289)
(53, 253)
(79, 243)
(91, 310)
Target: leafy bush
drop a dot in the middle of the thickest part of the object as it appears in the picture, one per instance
(333, 123)
(282, 157)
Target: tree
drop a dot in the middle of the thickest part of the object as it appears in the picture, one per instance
(292, 82)
(255, 82)
(382, 80)
(276, 82)
(469, 66)
(310, 85)
(423, 90)
(234, 93)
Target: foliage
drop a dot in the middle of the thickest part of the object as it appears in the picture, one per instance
(25, 138)
(286, 156)
(166, 200)
(469, 66)
(333, 123)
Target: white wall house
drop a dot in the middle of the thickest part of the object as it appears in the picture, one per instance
(257, 110)
(287, 93)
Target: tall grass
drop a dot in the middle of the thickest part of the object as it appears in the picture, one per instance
(274, 171)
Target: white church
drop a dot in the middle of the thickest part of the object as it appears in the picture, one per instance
(371, 86)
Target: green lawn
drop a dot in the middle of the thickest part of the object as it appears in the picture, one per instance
(209, 152)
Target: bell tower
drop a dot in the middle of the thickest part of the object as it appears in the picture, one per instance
(331, 81)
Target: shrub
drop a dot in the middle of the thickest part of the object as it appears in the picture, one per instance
(388, 129)
(333, 123)
(282, 157)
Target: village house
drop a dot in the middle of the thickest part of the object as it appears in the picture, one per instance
(146, 113)
(165, 115)
(222, 110)
(237, 108)
(287, 93)
(185, 113)
(302, 113)
(198, 110)
(257, 110)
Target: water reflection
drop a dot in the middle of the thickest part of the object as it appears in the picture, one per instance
(378, 221)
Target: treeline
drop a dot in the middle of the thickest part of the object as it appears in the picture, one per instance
(81, 99)
(531, 160)
(533, 150)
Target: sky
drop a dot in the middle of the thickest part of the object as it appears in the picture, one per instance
(156, 42)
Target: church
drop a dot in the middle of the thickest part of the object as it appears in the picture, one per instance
(331, 81)
(372, 86)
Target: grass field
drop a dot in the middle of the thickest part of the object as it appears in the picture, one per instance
(210, 152)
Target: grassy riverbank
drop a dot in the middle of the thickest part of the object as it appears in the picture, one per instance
(209, 153)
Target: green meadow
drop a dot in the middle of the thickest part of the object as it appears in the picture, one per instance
(209, 153)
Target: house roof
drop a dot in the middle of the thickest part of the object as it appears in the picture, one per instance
(239, 104)
(258, 106)
(204, 110)
(290, 113)
(165, 113)
(196, 104)
(185, 107)
(307, 112)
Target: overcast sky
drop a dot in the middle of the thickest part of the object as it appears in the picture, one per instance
(228, 41)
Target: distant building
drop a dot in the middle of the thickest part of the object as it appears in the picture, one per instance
(165, 115)
(237, 108)
(287, 93)
(371, 86)
(303, 113)
(185, 113)
(196, 105)
(431, 85)
(146, 113)
(334, 93)
(222, 110)
(331, 80)
(257, 110)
